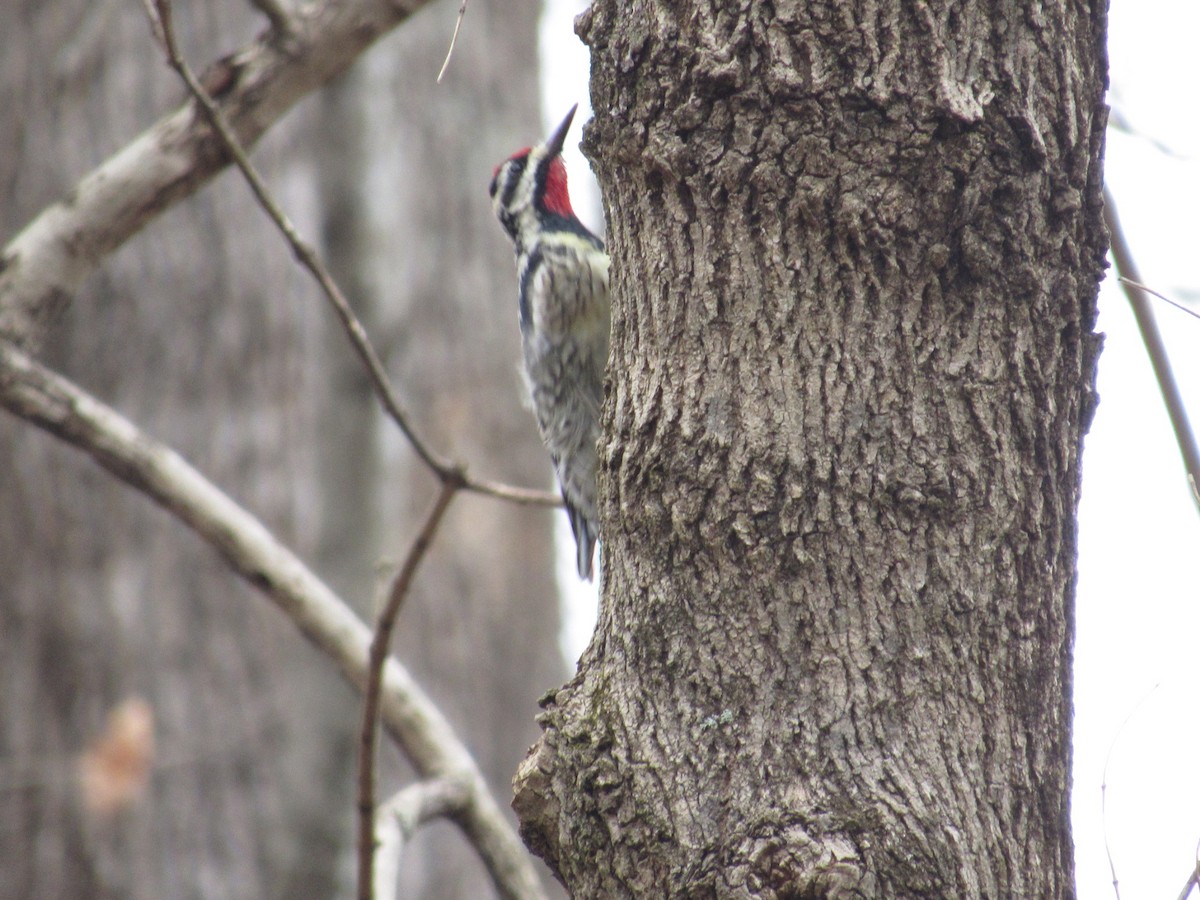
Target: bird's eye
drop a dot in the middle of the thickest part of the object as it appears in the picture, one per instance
(507, 176)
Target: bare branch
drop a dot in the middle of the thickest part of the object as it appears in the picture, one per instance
(53, 403)
(1193, 880)
(40, 270)
(43, 266)
(520, 495)
(447, 471)
(277, 14)
(400, 817)
(161, 16)
(1155, 348)
(380, 642)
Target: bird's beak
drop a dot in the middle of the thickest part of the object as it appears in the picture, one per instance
(554, 144)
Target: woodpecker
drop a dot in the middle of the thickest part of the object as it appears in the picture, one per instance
(563, 311)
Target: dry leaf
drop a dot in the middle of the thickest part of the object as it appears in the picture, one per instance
(115, 768)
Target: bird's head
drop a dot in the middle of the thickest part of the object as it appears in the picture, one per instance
(532, 183)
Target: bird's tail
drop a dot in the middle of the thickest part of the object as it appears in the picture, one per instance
(585, 540)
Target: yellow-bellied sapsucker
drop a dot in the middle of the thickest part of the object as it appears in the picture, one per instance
(563, 310)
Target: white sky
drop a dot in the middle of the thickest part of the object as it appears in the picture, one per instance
(1137, 657)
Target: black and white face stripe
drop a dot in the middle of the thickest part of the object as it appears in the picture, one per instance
(517, 185)
(507, 179)
(506, 185)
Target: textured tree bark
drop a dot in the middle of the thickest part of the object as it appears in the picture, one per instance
(855, 255)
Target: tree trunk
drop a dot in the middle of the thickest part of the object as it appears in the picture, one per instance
(855, 256)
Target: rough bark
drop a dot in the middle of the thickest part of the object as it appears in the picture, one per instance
(855, 255)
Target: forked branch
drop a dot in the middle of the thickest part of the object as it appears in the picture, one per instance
(445, 470)
(53, 403)
(380, 642)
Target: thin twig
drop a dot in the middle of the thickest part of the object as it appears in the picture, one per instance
(462, 11)
(380, 642)
(1152, 338)
(164, 26)
(398, 819)
(519, 495)
(1112, 866)
(1154, 293)
(446, 470)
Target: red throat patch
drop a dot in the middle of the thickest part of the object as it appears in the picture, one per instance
(556, 199)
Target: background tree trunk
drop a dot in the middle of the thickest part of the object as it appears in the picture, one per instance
(203, 331)
(481, 628)
(855, 262)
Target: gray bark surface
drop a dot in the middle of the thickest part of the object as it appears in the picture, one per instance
(855, 257)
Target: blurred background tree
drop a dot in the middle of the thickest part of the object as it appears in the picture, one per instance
(203, 330)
